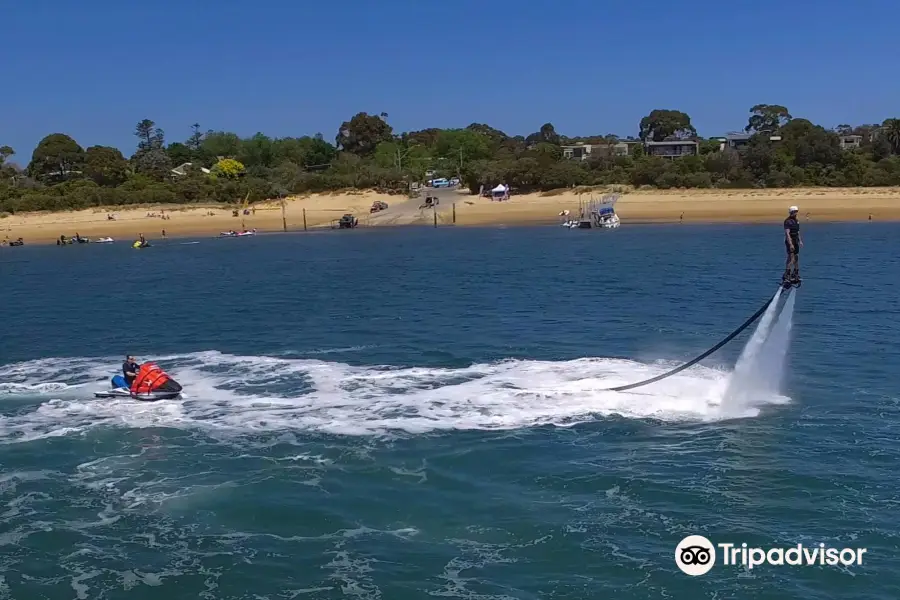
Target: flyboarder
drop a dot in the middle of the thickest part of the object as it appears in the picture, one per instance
(792, 244)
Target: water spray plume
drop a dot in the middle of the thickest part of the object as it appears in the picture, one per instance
(760, 368)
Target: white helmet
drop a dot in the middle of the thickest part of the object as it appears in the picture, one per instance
(793, 209)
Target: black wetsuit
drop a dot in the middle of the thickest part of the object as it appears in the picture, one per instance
(129, 367)
(793, 227)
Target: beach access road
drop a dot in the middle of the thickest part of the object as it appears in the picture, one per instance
(408, 211)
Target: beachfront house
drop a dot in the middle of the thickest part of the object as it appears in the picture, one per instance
(582, 151)
(850, 142)
(736, 140)
(579, 151)
(672, 149)
(182, 169)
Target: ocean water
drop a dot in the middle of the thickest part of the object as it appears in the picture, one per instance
(421, 413)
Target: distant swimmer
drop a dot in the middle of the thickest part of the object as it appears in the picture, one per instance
(792, 244)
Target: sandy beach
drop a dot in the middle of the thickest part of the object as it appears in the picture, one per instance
(323, 210)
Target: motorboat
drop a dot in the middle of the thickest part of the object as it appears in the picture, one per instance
(608, 219)
(150, 384)
(595, 215)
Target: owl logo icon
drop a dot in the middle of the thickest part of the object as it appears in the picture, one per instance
(695, 555)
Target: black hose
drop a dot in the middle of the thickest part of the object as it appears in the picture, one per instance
(691, 363)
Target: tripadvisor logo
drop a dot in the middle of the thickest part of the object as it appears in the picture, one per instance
(696, 555)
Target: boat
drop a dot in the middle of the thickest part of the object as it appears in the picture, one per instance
(596, 214)
(103, 240)
(607, 218)
(150, 385)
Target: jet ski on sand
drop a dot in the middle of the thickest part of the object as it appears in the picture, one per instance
(151, 384)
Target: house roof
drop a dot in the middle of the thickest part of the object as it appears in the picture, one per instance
(673, 143)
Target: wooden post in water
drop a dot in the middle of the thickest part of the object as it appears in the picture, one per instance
(434, 212)
(454, 213)
(304, 219)
(283, 216)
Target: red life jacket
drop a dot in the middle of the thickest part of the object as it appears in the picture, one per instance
(149, 378)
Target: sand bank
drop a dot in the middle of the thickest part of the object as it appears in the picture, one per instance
(321, 210)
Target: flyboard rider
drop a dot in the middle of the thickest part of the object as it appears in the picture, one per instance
(792, 244)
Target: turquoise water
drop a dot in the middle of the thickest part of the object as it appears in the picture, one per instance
(420, 413)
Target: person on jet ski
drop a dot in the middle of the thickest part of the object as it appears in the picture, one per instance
(130, 369)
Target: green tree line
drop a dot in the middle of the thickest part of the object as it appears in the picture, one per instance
(222, 167)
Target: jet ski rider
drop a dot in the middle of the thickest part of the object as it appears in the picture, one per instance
(792, 244)
(130, 369)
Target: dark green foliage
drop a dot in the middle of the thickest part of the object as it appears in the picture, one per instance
(63, 176)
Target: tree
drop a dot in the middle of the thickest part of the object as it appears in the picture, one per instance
(151, 158)
(843, 130)
(220, 143)
(461, 145)
(105, 166)
(891, 132)
(661, 124)
(179, 153)
(57, 158)
(230, 168)
(195, 142)
(305, 151)
(807, 144)
(8, 171)
(257, 151)
(362, 133)
(547, 134)
(767, 118)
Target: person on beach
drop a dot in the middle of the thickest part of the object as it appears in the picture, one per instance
(792, 244)
(130, 369)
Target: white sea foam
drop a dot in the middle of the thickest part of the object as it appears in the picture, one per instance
(231, 395)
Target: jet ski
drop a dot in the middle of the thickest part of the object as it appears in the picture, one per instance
(104, 240)
(151, 384)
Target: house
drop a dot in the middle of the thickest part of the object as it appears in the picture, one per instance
(850, 142)
(182, 169)
(673, 149)
(580, 151)
(738, 139)
(625, 147)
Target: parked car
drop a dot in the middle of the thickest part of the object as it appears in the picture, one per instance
(378, 205)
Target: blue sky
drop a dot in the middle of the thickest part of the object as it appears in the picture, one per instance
(291, 67)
